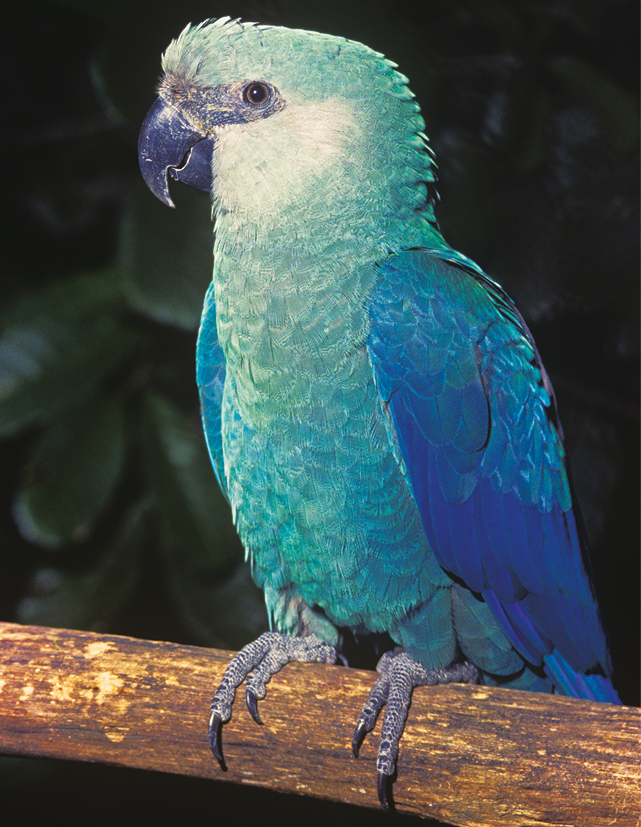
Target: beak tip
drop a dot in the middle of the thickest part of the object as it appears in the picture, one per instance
(159, 188)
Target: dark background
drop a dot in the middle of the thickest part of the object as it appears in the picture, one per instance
(110, 517)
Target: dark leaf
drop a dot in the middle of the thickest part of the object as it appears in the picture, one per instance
(56, 346)
(167, 255)
(195, 531)
(88, 600)
(225, 610)
(71, 475)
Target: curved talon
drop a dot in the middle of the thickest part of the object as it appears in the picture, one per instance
(384, 785)
(358, 737)
(215, 738)
(251, 700)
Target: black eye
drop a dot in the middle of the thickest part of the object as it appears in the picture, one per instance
(256, 93)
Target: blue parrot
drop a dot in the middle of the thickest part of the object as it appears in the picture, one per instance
(375, 407)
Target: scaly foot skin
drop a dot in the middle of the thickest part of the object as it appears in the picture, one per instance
(399, 674)
(256, 663)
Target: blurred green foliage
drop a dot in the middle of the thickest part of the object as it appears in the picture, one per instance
(110, 515)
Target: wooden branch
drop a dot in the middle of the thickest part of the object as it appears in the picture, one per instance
(470, 755)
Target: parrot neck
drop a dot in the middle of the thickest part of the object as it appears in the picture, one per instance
(299, 228)
(292, 307)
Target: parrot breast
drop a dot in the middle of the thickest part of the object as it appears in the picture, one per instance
(321, 500)
(316, 484)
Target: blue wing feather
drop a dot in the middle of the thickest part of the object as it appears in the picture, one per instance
(475, 418)
(210, 376)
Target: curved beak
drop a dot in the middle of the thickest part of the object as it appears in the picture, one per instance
(169, 145)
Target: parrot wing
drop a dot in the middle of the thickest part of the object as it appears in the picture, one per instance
(474, 415)
(210, 375)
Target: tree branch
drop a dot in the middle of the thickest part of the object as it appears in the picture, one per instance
(470, 755)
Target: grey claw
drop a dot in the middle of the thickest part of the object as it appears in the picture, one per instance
(252, 705)
(385, 791)
(359, 736)
(215, 739)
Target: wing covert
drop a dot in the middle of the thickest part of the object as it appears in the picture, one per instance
(475, 418)
(210, 375)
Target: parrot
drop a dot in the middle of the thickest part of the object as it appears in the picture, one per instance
(374, 405)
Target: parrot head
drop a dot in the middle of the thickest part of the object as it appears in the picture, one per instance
(262, 116)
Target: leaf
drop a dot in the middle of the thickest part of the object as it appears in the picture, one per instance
(167, 255)
(190, 507)
(87, 600)
(226, 613)
(72, 472)
(196, 535)
(84, 294)
(57, 345)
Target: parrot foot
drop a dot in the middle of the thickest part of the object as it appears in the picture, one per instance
(399, 674)
(255, 664)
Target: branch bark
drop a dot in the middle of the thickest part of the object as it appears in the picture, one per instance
(470, 755)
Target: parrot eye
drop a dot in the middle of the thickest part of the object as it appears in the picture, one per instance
(256, 93)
